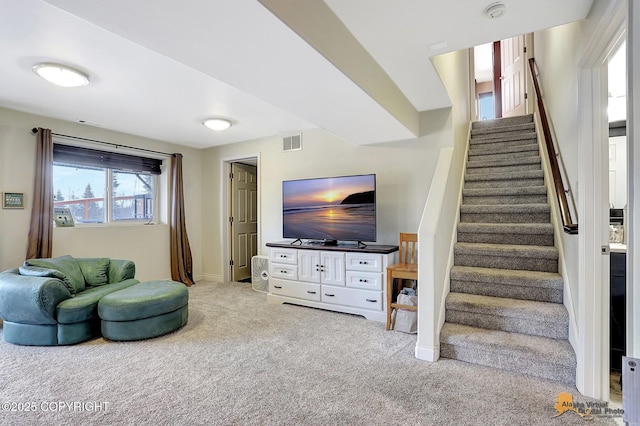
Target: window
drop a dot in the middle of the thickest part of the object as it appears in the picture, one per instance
(487, 107)
(104, 187)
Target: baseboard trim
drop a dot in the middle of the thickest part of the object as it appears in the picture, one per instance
(427, 353)
(209, 277)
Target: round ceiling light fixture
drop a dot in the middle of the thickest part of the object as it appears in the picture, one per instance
(217, 124)
(61, 75)
(495, 10)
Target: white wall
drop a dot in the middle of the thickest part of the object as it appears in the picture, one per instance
(403, 174)
(437, 229)
(557, 55)
(147, 245)
(558, 52)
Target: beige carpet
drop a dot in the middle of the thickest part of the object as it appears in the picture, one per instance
(240, 360)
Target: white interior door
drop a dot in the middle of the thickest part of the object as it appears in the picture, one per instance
(244, 219)
(512, 61)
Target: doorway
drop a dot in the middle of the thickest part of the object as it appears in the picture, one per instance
(483, 75)
(241, 207)
(500, 78)
(617, 144)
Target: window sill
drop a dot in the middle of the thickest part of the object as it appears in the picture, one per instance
(110, 225)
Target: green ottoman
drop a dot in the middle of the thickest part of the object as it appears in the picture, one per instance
(145, 310)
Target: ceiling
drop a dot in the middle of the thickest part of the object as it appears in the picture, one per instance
(359, 69)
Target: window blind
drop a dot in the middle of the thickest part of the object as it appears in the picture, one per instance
(67, 154)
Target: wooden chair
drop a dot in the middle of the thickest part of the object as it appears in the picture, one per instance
(406, 268)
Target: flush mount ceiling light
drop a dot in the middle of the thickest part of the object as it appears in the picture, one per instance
(495, 10)
(217, 124)
(61, 75)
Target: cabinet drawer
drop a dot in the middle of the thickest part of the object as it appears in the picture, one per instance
(294, 289)
(368, 262)
(280, 270)
(365, 280)
(283, 255)
(352, 297)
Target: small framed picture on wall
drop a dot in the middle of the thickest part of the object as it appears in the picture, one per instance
(13, 200)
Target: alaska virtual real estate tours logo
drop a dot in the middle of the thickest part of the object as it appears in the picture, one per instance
(586, 410)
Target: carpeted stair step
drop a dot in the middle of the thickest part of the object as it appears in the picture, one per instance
(493, 180)
(512, 315)
(514, 128)
(530, 150)
(503, 140)
(505, 165)
(537, 234)
(533, 355)
(514, 195)
(506, 256)
(502, 122)
(488, 149)
(505, 213)
(505, 195)
(493, 162)
(509, 283)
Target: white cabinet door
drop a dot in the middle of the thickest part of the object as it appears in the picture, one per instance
(309, 268)
(332, 270)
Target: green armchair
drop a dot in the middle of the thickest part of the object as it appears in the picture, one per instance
(55, 301)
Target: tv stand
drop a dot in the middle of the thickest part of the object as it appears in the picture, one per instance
(293, 243)
(346, 278)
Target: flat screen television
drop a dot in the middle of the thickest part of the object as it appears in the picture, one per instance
(330, 209)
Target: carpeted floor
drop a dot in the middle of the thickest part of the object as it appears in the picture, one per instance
(242, 361)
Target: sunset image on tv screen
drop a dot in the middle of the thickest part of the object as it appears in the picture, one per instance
(337, 208)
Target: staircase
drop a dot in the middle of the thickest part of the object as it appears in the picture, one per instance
(505, 306)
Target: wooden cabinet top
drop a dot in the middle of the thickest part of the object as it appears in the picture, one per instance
(345, 247)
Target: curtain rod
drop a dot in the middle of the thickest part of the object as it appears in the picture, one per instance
(35, 130)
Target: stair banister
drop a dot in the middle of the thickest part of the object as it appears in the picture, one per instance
(561, 193)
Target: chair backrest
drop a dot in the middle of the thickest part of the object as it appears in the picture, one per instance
(408, 243)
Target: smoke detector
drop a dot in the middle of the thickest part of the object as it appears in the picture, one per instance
(495, 10)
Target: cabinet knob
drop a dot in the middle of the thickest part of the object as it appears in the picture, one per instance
(311, 292)
(277, 286)
(363, 281)
(329, 295)
(372, 300)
